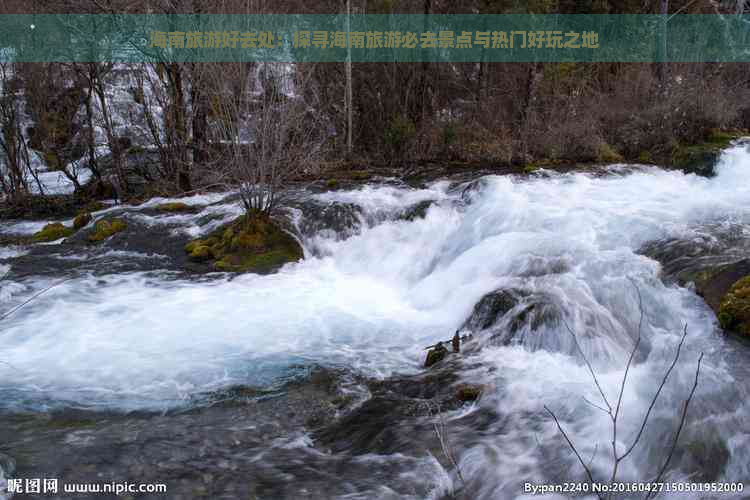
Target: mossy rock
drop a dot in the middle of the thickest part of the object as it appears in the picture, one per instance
(106, 228)
(435, 355)
(174, 207)
(734, 311)
(249, 244)
(466, 392)
(52, 232)
(332, 183)
(81, 220)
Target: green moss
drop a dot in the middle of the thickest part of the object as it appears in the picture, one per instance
(530, 168)
(360, 175)
(249, 244)
(332, 183)
(81, 220)
(175, 206)
(606, 154)
(734, 311)
(106, 228)
(644, 157)
(51, 232)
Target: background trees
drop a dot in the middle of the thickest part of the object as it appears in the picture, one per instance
(170, 126)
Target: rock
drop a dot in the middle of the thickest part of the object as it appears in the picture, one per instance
(249, 244)
(734, 310)
(435, 355)
(507, 313)
(103, 229)
(81, 220)
(418, 211)
(713, 283)
(466, 392)
(491, 308)
(174, 207)
(51, 232)
(341, 219)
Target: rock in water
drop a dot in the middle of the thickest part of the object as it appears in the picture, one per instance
(466, 392)
(81, 220)
(435, 355)
(734, 310)
(52, 232)
(103, 229)
(249, 244)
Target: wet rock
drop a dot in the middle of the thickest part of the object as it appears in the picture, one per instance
(249, 244)
(104, 229)
(52, 232)
(81, 220)
(491, 308)
(466, 392)
(175, 207)
(418, 211)
(506, 313)
(706, 457)
(435, 355)
(734, 309)
(341, 219)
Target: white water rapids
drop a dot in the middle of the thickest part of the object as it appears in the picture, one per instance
(374, 300)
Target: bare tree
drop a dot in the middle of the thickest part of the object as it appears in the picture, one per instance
(266, 131)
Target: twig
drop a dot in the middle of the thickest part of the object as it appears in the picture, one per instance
(679, 428)
(656, 396)
(33, 297)
(637, 344)
(442, 435)
(572, 447)
(588, 365)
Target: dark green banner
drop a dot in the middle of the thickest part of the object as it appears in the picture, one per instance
(374, 38)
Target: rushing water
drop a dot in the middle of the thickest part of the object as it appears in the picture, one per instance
(372, 301)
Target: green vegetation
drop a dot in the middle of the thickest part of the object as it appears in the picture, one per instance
(175, 206)
(734, 311)
(81, 220)
(52, 232)
(106, 228)
(251, 243)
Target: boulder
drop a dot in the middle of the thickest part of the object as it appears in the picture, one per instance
(104, 229)
(435, 355)
(252, 243)
(734, 309)
(81, 220)
(52, 232)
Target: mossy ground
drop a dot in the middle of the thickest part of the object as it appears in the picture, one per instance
(249, 244)
(52, 232)
(106, 228)
(734, 311)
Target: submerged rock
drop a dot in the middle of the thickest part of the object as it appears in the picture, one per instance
(249, 244)
(341, 219)
(52, 232)
(507, 313)
(417, 211)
